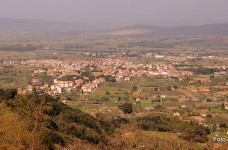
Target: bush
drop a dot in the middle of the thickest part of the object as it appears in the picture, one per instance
(223, 125)
(195, 133)
(182, 126)
(119, 120)
(134, 88)
(107, 92)
(7, 94)
(52, 125)
(127, 108)
(160, 123)
(51, 139)
(105, 98)
(209, 115)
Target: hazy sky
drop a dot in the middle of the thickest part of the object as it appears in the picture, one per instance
(154, 12)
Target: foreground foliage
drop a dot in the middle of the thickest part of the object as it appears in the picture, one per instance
(40, 122)
(47, 123)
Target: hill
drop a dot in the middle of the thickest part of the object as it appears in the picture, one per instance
(137, 30)
(210, 29)
(40, 122)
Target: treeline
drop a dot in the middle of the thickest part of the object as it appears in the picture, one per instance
(149, 44)
(49, 123)
(19, 47)
(75, 46)
(89, 75)
(201, 70)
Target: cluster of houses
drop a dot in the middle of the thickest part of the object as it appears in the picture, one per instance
(90, 87)
(116, 68)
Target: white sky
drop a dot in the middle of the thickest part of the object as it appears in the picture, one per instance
(154, 12)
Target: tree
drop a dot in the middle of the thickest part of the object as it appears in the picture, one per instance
(169, 88)
(223, 107)
(127, 108)
(134, 88)
(209, 115)
(7, 94)
(110, 78)
(223, 125)
(107, 92)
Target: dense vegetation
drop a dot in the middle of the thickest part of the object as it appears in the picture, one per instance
(159, 123)
(162, 123)
(48, 123)
(202, 70)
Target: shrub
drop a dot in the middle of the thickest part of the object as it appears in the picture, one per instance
(127, 108)
(195, 133)
(105, 98)
(160, 123)
(107, 92)
(182, 126)
(7, 94)
(51, 139)
(119, 120)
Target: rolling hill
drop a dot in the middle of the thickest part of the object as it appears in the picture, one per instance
(210, 29)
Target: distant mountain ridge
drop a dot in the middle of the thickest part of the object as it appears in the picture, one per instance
(37, 25)
(214, 29)
(7, 24)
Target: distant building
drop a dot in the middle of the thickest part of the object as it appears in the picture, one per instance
(149, 108)
(35, 80)
(176, 114)
(29, 88)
